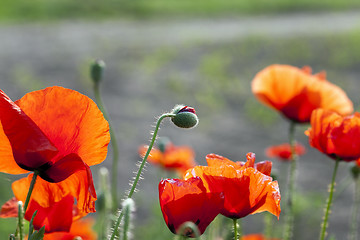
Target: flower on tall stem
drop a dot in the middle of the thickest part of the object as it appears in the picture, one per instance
(170, 157)
(337, 137)
(57, 133)
(295, 93)
(283, 151)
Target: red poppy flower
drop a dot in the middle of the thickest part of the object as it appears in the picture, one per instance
(53, 201)
(283, 151)
(256, 237)
(80, 228)
(179, 158)
(296, 93)
(246, 190)
(49, 131)
(188, 201)
(334, 135)
(59, 133)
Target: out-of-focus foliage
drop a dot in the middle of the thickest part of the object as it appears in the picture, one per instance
(44, 10)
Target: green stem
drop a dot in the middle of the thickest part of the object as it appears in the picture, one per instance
(21, 221)
(268, 225)
(237, 229)
(137, 177)
(31, 188)
(289, 217)
(114, 146)
(354, 214)
(329, 201)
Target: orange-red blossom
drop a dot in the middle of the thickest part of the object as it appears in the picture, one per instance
(58, 133)
(335, 135)
(283, 151)
(178, 158)
(296, 93)
(234, 189)
(246, 190)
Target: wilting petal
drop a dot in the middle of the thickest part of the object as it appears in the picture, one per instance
(9, 209)
(187, 200)
(30, 146)
(57, 217)
(295, 93)
(334, 135)
(81, 228)
(79, 185)
(71, 121)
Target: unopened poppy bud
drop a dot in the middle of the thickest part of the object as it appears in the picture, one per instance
(162, 143)
(185, 116)
(97, 70)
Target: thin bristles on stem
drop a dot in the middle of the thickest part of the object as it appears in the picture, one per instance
(137, 177)
(329, 201)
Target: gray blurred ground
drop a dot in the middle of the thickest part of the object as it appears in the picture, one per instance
(151, 66)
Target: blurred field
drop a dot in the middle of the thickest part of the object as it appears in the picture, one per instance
(146, 75)
(45, 10)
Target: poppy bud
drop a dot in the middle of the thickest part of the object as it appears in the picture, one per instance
(97, 70)
(162, 143)
(185, 116)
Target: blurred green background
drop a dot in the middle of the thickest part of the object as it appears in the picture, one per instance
(160, 53)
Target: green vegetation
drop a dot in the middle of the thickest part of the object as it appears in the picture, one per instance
(44, 10)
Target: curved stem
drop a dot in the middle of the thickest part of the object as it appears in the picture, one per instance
(31, 188)
(114, 146)
(289, 217)
(329, 201)
(354, 213)
(137, 177)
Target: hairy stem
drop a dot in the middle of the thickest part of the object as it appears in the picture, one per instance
(137, 177)
(329, 201)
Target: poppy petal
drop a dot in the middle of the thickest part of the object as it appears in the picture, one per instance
(9, 209)
(8, 163)
(81, 228)
(79, 185)
(71, 121)
(264, 167)
(56, 217)
(187, 200)
(31, 148)
(63, 168)
(296, 93)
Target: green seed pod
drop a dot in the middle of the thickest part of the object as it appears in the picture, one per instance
(97, 70)
(185, 117)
